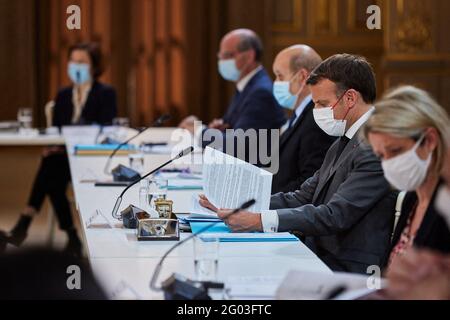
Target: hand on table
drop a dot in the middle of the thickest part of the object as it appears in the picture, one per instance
(189, 124)
(219, 125)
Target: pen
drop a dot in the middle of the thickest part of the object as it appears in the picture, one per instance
(335, 292)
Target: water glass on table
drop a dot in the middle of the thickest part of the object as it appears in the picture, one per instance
(206, 257)
(157, 190)
(121, 125)
(137, 162)
(25, 119)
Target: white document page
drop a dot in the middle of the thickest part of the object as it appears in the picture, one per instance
(229, 182)
(301, 285)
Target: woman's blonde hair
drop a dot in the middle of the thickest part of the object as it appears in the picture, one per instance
(406, 112)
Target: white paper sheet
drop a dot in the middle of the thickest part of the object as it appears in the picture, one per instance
(252, 287)
(301, 285)
(229, 182)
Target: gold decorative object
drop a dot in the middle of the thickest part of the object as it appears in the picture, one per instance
(164, 208)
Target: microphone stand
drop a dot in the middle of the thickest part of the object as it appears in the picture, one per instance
(156, 124)
(119, 199)
(181, 287)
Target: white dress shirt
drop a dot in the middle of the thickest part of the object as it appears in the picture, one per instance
(269, 218)
(245, 80)
(240, 87)
(80, 95)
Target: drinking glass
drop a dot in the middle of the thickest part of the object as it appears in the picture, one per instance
(206, 257)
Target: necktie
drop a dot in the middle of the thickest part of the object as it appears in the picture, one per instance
(292, 120)
(343, 141)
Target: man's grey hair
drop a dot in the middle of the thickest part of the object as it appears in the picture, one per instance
(306, 59)
(251, 41)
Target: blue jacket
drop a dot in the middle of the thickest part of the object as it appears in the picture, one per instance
(253, 108)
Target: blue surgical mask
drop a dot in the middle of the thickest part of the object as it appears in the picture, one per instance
(79, 73)
(283, 95)
(228, 70)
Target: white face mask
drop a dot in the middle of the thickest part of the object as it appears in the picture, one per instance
(443, 203)
(407, 171)
(324, 118)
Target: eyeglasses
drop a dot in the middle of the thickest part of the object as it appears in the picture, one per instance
(228, 55)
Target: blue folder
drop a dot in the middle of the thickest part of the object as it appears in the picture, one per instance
(102, 147)
(222, 228)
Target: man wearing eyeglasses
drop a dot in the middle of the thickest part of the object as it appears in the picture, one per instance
(253, 105)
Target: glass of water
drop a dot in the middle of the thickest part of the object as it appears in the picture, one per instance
(121, 122)
(25, 119)
(121, 125)
(157, 190)
(137, 162)
(206, 257)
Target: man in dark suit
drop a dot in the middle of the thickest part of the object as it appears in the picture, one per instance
(253, 105)
(346, 209)
(303, 144)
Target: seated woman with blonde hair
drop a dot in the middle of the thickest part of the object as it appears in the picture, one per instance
(409, 132)
(424, 274)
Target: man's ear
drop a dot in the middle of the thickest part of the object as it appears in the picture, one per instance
(250, 56)
(302, 77)
(351, 98)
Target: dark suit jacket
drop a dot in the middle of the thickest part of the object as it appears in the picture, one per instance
(346, 211)
(253, 108)
(433, 232)
(100, 107)
(302, 150)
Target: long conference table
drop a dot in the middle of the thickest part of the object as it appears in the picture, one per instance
(125, 266)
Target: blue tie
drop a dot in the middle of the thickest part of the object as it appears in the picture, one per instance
(292, 120)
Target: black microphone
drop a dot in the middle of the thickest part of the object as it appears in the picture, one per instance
(180, 287)
(182, 154)
(100, 131)
(159, 122)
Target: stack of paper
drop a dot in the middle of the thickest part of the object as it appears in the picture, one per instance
(229, 182)
(252, 287)
(102, 150)
(185, 184)
(302, 285)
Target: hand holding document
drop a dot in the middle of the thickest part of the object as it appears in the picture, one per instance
(229, 181)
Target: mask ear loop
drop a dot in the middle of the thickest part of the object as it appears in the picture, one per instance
(290, 82)
(421, 140)
(337, 102)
